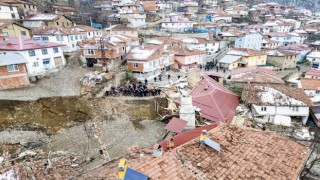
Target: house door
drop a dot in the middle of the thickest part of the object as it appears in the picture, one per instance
(58, 61)
(46, 63)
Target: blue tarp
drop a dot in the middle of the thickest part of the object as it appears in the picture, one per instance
(134, 175)
(208, 19)
(96, 25)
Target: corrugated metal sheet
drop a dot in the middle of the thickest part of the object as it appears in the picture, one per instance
(212, 144)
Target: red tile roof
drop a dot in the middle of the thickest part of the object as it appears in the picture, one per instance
(216, 102)
(310, 84)
(278, 34)
(296, 47)
(313, 72)
(26, 44)
(167, 168)
(176, 125)
(257, 75)
(248, 69)
(187, 136)
(245, 154)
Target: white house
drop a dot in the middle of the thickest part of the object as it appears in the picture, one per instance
(277, 104)
(284, 39)
(89, 32)
(177, 24)
(42, 57)
(67, 36)
(146, 61)
(204, 44)
(221, 17)
(270, 44)
(163, 6)
(135, 19)
(8, 11)
(238, 11)
(259, 28)
(278, 26)
(314, 56)
(249, 40)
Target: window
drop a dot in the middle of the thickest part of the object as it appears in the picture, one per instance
(45, 38)
(11, 9)
(67, 24)
(59, 37)
(71, 38)
(263, 108)
(46, 63)
(57, 23)
(63, 24)
(5, 34)
(317, 91)
(13, 68)
(44, 51)
(35, 64)
(76, 37)
(32, 53)
(23, 33)
(135, 65)
(296, 109)
(13, 15)
(89, 51)
(55, 50)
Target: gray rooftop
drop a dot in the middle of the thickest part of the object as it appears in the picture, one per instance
(228, 59)
(11, 58)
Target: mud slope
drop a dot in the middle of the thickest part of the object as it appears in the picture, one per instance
(47, 114)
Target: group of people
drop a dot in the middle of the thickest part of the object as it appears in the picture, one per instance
(140, 90)
(210, 66)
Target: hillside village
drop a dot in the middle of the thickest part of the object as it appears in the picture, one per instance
(154, 89)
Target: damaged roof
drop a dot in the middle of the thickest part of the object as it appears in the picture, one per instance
(245, 154)
(256, 75)
(216, 102)
(264, 95)
(144, 53)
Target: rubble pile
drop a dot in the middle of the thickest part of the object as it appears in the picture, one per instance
(38, 165)
(90, 79)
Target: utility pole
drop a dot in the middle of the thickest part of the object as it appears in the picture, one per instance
(102, 144)
(103, 53)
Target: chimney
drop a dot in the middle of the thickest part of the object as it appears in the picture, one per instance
(20, 43)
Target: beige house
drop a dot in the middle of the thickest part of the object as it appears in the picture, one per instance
(282, 59)
(14, 29)
(50, 20)
(24, 5)
(123, 30)
(243, 57)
